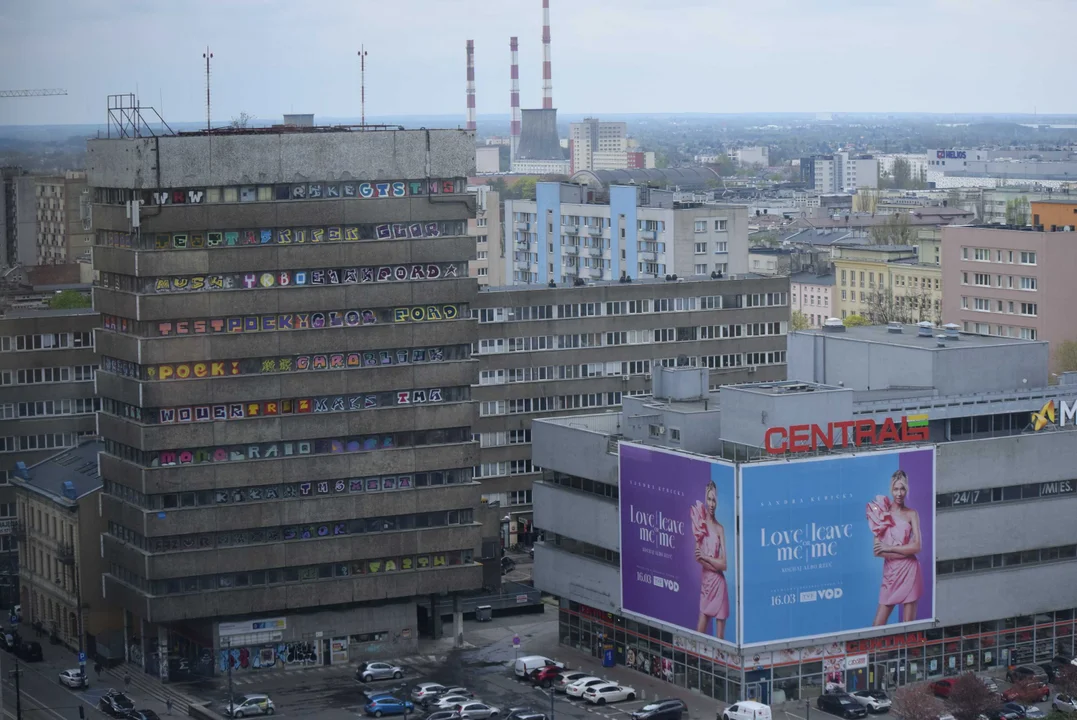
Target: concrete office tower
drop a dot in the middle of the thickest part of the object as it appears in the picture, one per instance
(471, 124)
(547, 72)
(514, 99)
(285, 370)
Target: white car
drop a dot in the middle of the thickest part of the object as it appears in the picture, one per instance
(255, 704)
(875, 701)
(73, 679)
(567, 679)
(449, 702)
(1064, 703)
(477, 711)
(608, 693)
(425, 691)
(577, 688)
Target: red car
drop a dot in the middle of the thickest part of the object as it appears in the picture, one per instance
(546, 676)
(1029, 689)
(942, 688)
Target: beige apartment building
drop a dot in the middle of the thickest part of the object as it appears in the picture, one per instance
(488, 267)
(885, 283)
(62, 235)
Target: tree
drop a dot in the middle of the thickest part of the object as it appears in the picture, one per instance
(970, 698)
(915, 702)
(526, 188)
(902, 173)
(856, 321)
(242, 120)
(1017, 210)
(1066, 356)
(798, 321)
(895, 231)
(866, 200)
(1066, 680)
(68, 299)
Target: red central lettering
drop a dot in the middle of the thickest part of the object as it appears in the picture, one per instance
(781, 435)
(799, 438)
(846, 436)
(865, 432)
(820, 438)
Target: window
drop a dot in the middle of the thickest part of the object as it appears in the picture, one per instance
(982, 254)
(1029, 309)
(982, 304)
(701, 226)
(674, 435)
(701, 269)
(721, 247)
(982, 279)
(489, 408)
(656, 431)
(82, 339)
(1028, 258)
(482, 272)
(720, 225)
(1028, 283)
(701, 248)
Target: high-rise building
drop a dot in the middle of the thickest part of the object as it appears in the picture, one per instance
(285, 382)
(488, 267)
(18, 210)
(840, 172)
(597, 145)
(62, 233)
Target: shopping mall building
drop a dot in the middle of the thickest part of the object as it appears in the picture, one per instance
(906, 412)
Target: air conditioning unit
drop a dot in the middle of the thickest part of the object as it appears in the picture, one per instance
(752, 368)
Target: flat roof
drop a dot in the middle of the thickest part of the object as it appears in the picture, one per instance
(44, 312)
(635, 281)
(1057, 201)
(810, 278)
(78, 464)
(909, 337)
(784, 387)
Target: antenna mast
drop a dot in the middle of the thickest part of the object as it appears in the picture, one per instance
(208, 56)
(362, 84)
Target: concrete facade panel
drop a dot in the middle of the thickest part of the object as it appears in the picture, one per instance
(583, 516)
(1055, 584)
(588, 581)
(574, 452)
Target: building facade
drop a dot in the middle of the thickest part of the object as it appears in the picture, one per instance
(755, 156)
(886, 283)
(285, 383)
(1002, 495)
(47, 368)
(841, 172)
(488, 267)
(597, 145)
(1010, 282)
(1055, 214)
(565, 234)
(812, 295)
(570, 350)
(62, 233)
(18, 209)
(60, 564)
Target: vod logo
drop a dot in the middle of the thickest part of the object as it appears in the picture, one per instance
(825, 594)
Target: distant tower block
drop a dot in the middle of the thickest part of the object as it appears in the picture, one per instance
(547, 73)
(471, 124)
(514, 98)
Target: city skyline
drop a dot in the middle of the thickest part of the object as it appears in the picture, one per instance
(772, 56)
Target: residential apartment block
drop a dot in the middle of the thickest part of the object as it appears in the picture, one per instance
(488, 267)
(286, 390)
(566, 350)
(567, 234)
(840, 172)
(1011, 282)
(812, 295)
(597, 145)
(62, 233)
(886, 283)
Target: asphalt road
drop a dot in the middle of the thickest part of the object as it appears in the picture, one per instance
(42, 696)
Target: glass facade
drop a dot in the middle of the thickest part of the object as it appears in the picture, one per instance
(802, 673)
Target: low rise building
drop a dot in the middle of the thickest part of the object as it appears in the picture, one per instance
(564, 350)
(812, 295)
(886, 283)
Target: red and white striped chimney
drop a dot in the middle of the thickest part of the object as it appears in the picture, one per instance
(471, 124)
(547, 75)
(514, 98)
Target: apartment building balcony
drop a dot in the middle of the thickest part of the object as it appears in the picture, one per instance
(646, 255)
(590, 250)
(648, 234)
(524, 226)
(65, 554)
(594, 230)
(570, 249)
(571, 229)
(591, 273)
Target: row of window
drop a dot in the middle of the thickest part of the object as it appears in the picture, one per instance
(1010, 282)
(523, 466)
(506, 437)
(1000, 330)
(516, 406)
(1000, 306)
(719, 225)
(488, 346)
(47, 408)
(279, 576)
(734, 360)
(630, 307)
(44, 441)
(564, 372)
(290, 533)
(583, 549)
(270, 193)
(33, 376)
(1006, 560)
(1023, 257)
(1009, 493)
(288, 491)
(46, 341)
(719, 247)
(582, 484)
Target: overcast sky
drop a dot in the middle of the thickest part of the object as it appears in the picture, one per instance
(609, 56)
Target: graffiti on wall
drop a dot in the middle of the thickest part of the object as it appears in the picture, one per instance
(302, 278)
(253, 658)
(292, 363)
(309, 321)
(306, 191)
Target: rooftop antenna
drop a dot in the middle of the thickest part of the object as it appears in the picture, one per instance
(362, 84)
(208, 56)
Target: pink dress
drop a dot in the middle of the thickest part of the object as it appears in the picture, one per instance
(713, 594)
(902, 578)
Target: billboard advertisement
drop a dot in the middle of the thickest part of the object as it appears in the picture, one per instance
(837, 544)
(678, 540)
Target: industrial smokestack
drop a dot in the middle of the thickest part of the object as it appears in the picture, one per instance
(471, 124)
(514, 98)
(547, 74)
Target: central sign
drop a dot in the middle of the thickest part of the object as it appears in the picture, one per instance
(846, 433)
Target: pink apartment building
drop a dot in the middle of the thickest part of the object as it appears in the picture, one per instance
(813, 295)
(1012, 283)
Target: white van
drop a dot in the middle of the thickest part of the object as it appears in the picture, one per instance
(526, 664)
(745, 710)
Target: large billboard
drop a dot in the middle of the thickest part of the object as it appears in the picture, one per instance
(678, 540)
(837, 544)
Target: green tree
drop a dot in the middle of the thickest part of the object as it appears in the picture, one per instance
(1066, 356)
(895, 231)
(1017, 210)
(902, 174)
(798, 321)
(68, 299)
(526, 188)
(855, 321)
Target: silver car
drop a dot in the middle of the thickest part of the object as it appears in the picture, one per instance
(477, 711)
(250, 705)
(1064, 703)
(73, 679)
(378, 671)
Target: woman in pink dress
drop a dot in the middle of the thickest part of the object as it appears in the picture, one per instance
(897, 540)
(711, 554)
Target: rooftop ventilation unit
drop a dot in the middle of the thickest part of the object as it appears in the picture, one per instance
(952, 331)
(924, 329)
(893, 328)
(834, 325)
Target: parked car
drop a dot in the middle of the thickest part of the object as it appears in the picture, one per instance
(747, 710)
(143, 715)
(1033, 712)
(378, 671)
(941, 688)
(1056, 666)
(30, 651)
(1025, 672)
(8, 641)
(449, 702)
(566, 679)
(507, 564)
(1064, 703)
(115, 703)
(841, 704)
(455, 690)
(73, 679)
(443, 715)
(1004, 714)
(608, 693)
(1015, 709)
(477, 711)
(388, 705)
(661, 710)
(578, 688)
(526, 664)
(1025, 689)
(523, 713)
(254, 704)
(989, 682)
(545, 676)
(422, 691)
(875, 701)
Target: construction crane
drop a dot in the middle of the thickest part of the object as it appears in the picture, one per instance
(32, 93)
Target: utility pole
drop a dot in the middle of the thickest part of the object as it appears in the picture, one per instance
(231, 692)
(552, 693)
(208, 56)
(81, 630)
(362, 84)
(18, 690)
